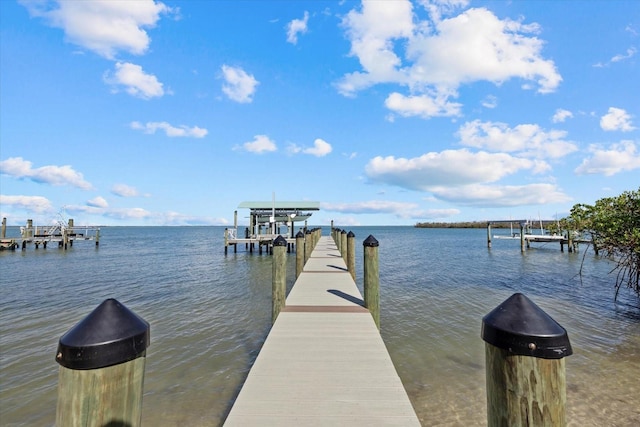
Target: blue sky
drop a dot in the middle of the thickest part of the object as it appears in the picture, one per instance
(386, 112)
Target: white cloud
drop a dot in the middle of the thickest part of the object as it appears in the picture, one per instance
(320, 148)
(104, 27)
(448, 168)
(616, 119)
(54, 175)
(134, 80)
(480, 195)
(124, 190)
(37, 204)
(618, 158)
(297, 26)
(490, 101)
(239, 86)
(98, 202)
(526, 139)
(561, 115)
(621, 57)
(424, 106)
(259, 145)
(436, 56)
(169, 130)
(128, 213)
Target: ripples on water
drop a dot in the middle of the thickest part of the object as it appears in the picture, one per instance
(210, 314)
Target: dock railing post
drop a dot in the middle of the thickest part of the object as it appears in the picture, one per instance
(278, 277)
(101, 374)
(307, 245)
(351, 254)
(299, 253)
(343, 245)
(371, 278)
(525, 368)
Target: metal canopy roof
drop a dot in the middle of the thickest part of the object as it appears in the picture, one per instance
(280, 206)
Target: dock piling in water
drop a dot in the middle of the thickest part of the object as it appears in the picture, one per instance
(101, 374)
(278, 277)
(372, 278)
(525, 369)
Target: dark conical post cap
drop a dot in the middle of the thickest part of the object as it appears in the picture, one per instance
(370, 242)
(343, 232)
(300, 234)
(280, 241)
(351, 234)
(111, 334)
(521, 327)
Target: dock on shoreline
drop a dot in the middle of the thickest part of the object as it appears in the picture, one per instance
(61, 234)
(324, 361)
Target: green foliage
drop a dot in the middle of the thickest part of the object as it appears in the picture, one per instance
(614, 225)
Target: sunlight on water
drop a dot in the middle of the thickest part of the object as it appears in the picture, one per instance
(210, 314)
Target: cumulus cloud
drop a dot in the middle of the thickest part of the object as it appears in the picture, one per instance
(98, 202)
(297, 26)
(239, 86)
(480, 195)
(561, 115)
(124, 190)
(134, 80)
(37, 204)
(434, 57)
(17, 167)
(259, 145)
(526, 139)
(170, 130)
(616, 119)
(620, 157)
(104, 27)
(320, 148)
(448, 168)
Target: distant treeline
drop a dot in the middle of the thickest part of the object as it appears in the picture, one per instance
(481, 224)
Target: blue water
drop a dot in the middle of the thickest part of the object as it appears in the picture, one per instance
(210, 313)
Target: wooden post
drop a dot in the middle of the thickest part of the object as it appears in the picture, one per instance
(299, 253)
(343, 245)
(226, 240)
(307, 246)
(371, 278)
(4, 228)
(522, 237)
(101, 374)
(525, 369)
(278, 277)
(489, 235)
(29, 229)
(351, 254)
(97, 237)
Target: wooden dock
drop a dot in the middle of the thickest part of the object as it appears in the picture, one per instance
(324, 362)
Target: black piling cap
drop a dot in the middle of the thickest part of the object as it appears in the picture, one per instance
(280, 241)
(343, 232)
(300, 234)
(523, 328)
(351, 234)
(370, 242)
(111, 334)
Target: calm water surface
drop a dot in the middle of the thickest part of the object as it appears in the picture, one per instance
(210, 314)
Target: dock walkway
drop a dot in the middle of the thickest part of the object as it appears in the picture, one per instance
(324, 362)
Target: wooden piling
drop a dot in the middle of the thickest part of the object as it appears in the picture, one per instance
(226, 240)
(307, 246)
(299, 253)
(101, 374)
(278, 277)
(522, 240)
(371, 278)
(525, 368)
(489, 235)
(351, 254)
(4, 228)
(343, 245)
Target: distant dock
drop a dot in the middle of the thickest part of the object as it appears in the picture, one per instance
(527, 236)
(324, 361)
(60, 234)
